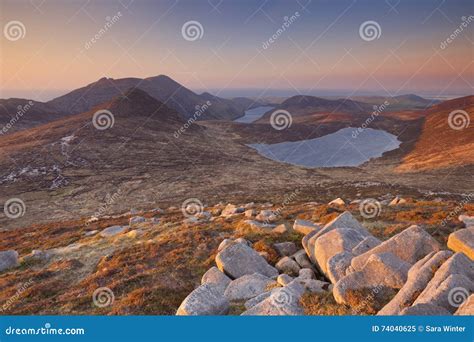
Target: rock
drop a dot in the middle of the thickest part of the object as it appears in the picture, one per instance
(284, 279)
(462, 241)
(267, 216)
(281, 302)
(337, 202)
(280, 229)
(369, 289)
(367, 244)
(259, 226)
(250, 213)
(216, 277)
(224, 244)
(345, 220)
(207, 299)
(285, 248)
(410, 245)
(136, 220)
(452, 282)
(467, 308)
(397, 201)
(113, 231)
(467, 220)
(244, 241)
(239, 259)
(419, 276)
(8, 259)
(91, 233)
(302, 259)
(308, 285)
(38, 255)
(306, 273)
(255, 300)
(288, 266)
(248, 286)
(249, 205)
(204, 216)
(231, 210)
(425, 310)
(334, 242)
(338, 265)
(304, 227)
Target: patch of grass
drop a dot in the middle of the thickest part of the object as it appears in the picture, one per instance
(322, 304)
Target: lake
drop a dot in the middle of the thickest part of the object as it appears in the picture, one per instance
(253, 114)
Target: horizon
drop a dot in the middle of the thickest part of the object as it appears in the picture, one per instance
(240, 49)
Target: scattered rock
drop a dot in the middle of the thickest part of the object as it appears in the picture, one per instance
(304, 226)
(309, 285)
(281, 229)
(250, 213)
(248, 286)
(288, 266)
(113, 231)
(463, 241)
(467, 308)
(38, 255)
(419, 276)
(266, 216)
(285, 248)
(259, 226)
(425, 309)
(397, 201)
(136, 220)
(306, 273)
(337, 202)
(8, 259)
(302, 259)
(216, 277)
(207, 299)
(284, 279)
(239, 259)
(231, 210)
(410, 245)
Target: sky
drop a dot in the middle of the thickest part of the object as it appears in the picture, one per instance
(322, 50)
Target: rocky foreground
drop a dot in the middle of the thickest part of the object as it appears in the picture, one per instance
(388, 256)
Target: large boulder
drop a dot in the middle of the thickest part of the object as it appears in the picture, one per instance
(248, 286)
(337, 266)
(334, 242)
(207, 299)
(463, 241)
(451, 284)
(239, 259)
(419, 276)
(410, 245)
(216, 277)
(305, 227)
(371, 288)
(8, 259)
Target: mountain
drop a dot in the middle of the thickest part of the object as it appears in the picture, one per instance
(396, 103)
(444, 142)
(187, 103)
(17, 114)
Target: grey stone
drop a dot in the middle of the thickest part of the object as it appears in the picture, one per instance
(306, 273)
(216, 277)
(207, 299)
(239, 259)
(224, 244)
(284, 279)
(365, 245)
(136, 220)
(280, 229)
(281, 302)
(231, 210)
(285, 248)
(304, 227)
(113, 231)
(255, 300)
(266, 216)
(302, 259)
(259, 226)
(244, 241)
(8, 259)
(338, 265)
(425, 309)
(288, 266)
(410, 245)
(248, 286)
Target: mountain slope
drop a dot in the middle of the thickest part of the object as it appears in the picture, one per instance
(163, 88)
(440, 145)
